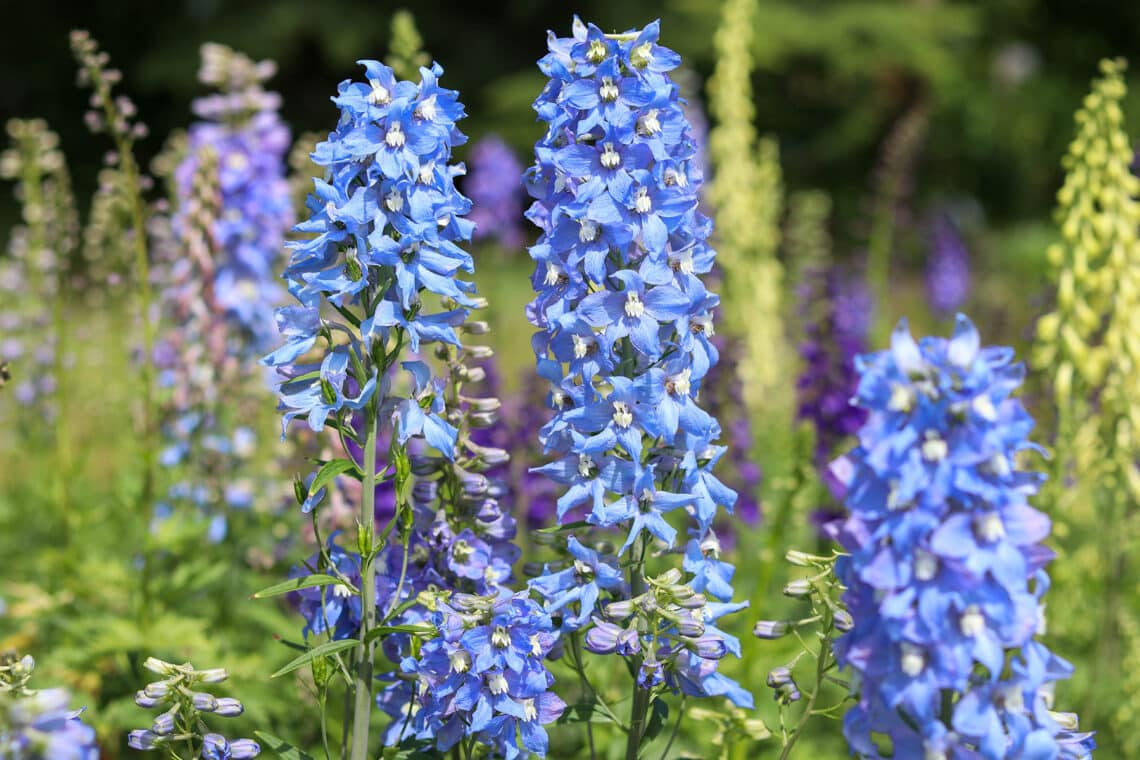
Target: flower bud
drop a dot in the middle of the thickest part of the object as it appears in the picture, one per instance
(204, 702)
(144, 700)
(620, 610)
(602, 638)
(243, 749)
(155, 665)
(228, 707)
(212, 675)
(770, 629)
(800, 588)
(143, 740)
(164, 723)
(843, 621)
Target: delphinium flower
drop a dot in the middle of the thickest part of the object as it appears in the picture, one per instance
(377, 280)
(947, 267)
(483, 678)
(240, 124)
(835, 304)
(38, 724)
(35, 273)
(623, 338)
(496, 192)
(186, 708)
(945, 573)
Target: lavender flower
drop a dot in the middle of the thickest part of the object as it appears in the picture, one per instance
(945, 573)
(496, 192)
(623, 324)
(947, 267)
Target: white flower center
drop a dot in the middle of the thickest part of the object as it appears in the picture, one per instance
(589, 231)
(535, 645)
(989, 527)
(902, 398)
(633, 306)
(608, 91)
(934, 448)
(999, 463)
(585, 465)
(683, 262)
(610, 159)
(703, 324)
(426, 110)
(680, 383)
(582, 346)
(933, 753)
(972, 621)
(554, 273)
(460, 661)
(985, 408)
(394, 201)
(925, 565)
(395, 136)
(623, 417)
(913, 659)
(559, 399)
(500, 637)
(643, 203)
(648, 125)
(597, 51)
(341, 591)
(529, 710)
(496, 684)
(426, 172)
(379, 95)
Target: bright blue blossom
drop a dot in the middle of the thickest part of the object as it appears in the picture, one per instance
(945, 574)
(624, 320)
(484, 676)
(40, 726)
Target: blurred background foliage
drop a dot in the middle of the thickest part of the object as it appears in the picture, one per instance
(985, 90)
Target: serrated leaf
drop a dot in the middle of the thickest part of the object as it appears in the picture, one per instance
(295, 584)
(280, 747)
(322, 650)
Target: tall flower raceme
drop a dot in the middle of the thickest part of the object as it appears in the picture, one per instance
(186, 706)
(945, 574)
(34, 274)
(240, 124)
(624, 326)
(496, 192)
(1086, 348)
(947, 267)
(377, 281)
(38, 724)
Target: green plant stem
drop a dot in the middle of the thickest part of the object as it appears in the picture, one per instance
(362, 688)
(821, 666)
(587, 688)
(640, 706)
(676, 728)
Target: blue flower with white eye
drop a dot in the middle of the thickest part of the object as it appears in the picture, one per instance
(581, 584)
(41, 726)
(945, 573)
(623, 320)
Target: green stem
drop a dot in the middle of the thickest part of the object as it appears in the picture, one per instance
(821, 666)
(640, 706)
(587, 688)
(362, 687)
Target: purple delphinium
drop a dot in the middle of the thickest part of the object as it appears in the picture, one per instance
(624, 339)
(947, 267)
(243, 129)
(496, 192)
(945, 569)
(836, 324)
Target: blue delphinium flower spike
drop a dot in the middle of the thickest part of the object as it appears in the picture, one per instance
(624, 323)
(945, 573)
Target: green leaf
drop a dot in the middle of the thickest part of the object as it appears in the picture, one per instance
(563, 528)
(323, 650)
(281, 748)
(403, 475)
(657, 720)
(384, 630)
(294, 584)
(583, 712)
(330, 470)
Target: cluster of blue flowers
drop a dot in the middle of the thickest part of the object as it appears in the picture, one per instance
(947, 266)
(242, 128)
(38, 724)
(945, 574)
(624, 321)
(483, 676)
(494, 186)
(185, 708)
